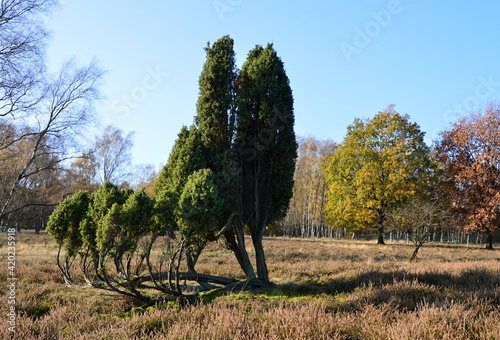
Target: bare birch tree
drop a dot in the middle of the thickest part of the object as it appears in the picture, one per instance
(41, 115)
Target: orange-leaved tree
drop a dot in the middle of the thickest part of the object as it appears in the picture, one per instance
(470, 153)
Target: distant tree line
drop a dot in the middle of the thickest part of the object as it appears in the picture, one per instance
(305, 216)
(384, 180)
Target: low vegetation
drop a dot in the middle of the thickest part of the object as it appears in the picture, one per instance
(322, 289)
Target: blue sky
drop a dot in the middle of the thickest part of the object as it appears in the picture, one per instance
(345, 59)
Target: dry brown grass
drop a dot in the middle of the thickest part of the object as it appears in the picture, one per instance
(323, 290)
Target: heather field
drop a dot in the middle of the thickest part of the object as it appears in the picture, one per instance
(322, 289)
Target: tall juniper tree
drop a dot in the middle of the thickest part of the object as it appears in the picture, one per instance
(266, 145)
(215, 119)
(243, 134)
(216, 103)
(206, 145)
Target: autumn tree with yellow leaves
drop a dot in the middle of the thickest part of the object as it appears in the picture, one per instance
(381, 163)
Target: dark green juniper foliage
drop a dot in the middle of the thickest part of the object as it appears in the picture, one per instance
(208, 145)
(244, 134)
(102, 200)
(118, 240)
(266, 145)
(216, 103)
(64, 227)
(185, 159)
(120, 230)
(199, 207)
(216, 119)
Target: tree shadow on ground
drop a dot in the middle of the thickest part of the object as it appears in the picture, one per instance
(402, 289)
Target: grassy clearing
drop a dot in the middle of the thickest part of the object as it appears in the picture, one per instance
(323, 290)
